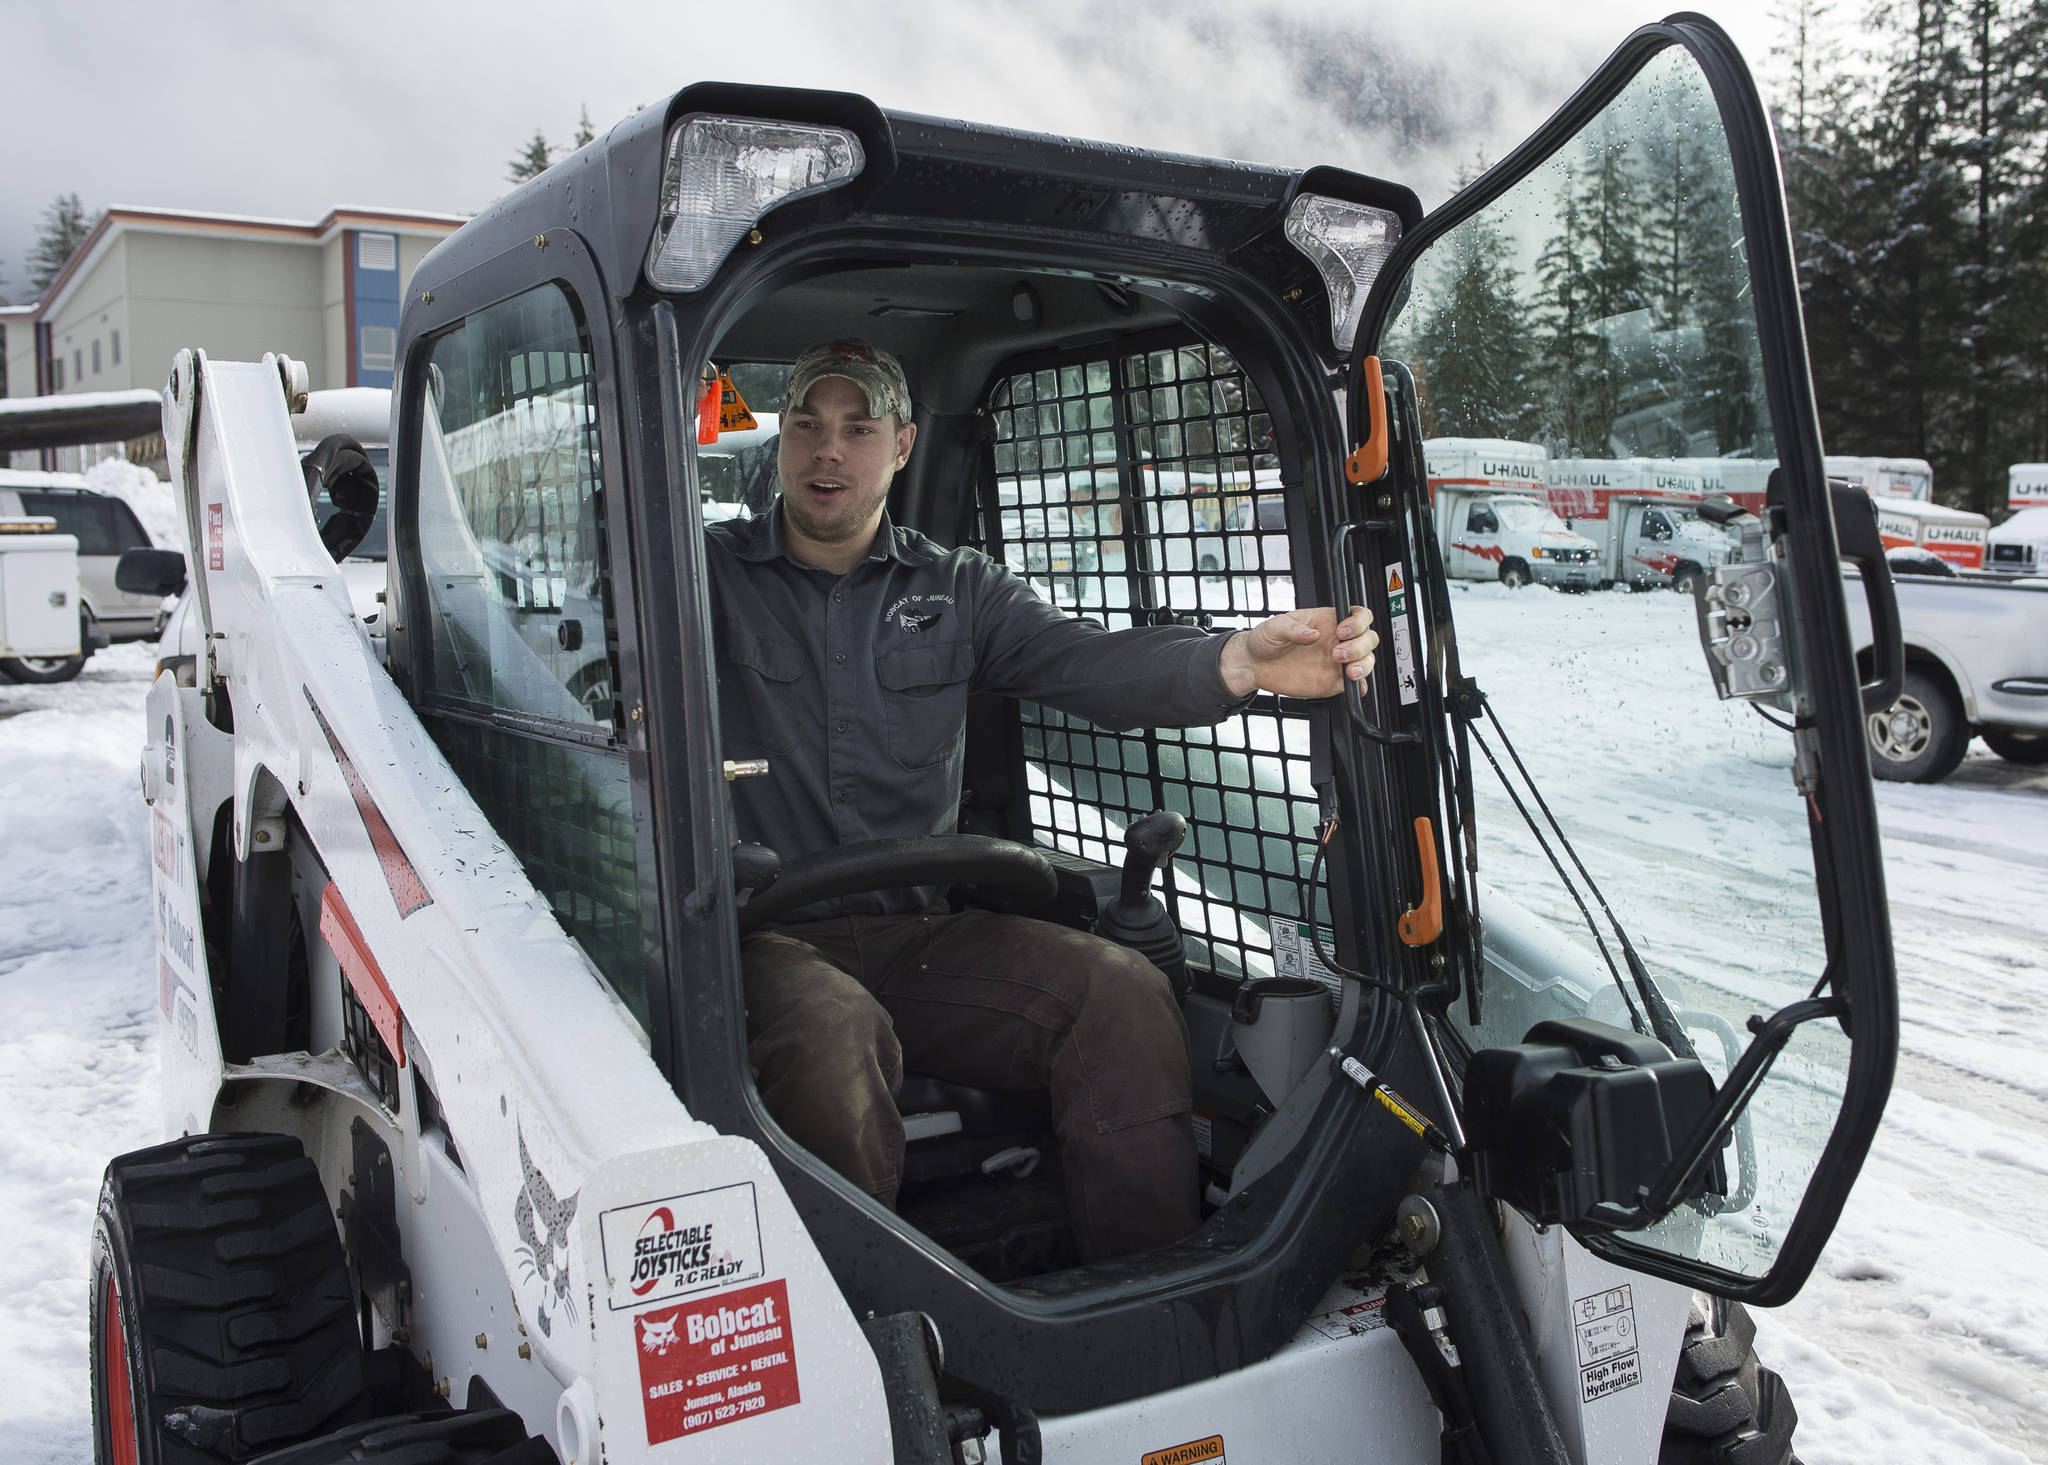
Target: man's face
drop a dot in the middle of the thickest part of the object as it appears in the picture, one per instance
(835, 462)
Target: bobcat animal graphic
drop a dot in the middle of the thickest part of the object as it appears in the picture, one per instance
(543, 1223)
(658, 1337)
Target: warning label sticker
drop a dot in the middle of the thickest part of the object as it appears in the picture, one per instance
(1397, 632)
(733, 415)
(1205, 1132)
(1194, 1452)
(216, 537)
(1610, 1358)
(1294, 955)
(681, 1244)
(714, 1360)
(1367, 1315)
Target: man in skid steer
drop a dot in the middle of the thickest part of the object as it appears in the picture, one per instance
(847, 648)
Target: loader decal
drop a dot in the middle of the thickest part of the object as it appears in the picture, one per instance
(1194, 1452)
(407, 893)
(543, 1222)
(716, 1360)
(681, 1244)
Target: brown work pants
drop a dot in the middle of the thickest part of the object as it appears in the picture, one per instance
(836, 1009)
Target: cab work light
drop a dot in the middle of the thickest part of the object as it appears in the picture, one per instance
(723, 174)
(1348, 243)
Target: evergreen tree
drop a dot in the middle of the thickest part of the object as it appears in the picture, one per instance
(531, 160)
(1471, 351)
(63, 229)
(585, 133)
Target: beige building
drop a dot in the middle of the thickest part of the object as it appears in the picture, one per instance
(146, 283)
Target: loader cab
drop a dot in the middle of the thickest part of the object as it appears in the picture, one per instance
(1122, 362)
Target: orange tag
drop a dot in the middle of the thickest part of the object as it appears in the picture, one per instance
(733, 415)
(707, 415)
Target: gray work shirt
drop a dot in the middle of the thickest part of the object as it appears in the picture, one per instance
(854, 687)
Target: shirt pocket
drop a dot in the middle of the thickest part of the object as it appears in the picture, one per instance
(924, 699)
(757, 678)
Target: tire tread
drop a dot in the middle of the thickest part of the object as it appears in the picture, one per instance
(243, 1315)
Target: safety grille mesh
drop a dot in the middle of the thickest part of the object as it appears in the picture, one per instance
(1143, 488)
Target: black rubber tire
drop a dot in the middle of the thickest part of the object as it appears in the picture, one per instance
(1683, 578)
(220, 1289)
(465, 1437)
(2014, 746)
(41, 670)
(1726, 1408)
(1921, 737)
(1514, 574)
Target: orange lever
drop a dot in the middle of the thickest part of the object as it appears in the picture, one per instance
(1422, 924)
(1368, 461)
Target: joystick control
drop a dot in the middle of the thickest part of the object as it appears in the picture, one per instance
(1137, 918)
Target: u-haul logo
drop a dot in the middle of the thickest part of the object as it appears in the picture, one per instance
(1954, 534)
(681, 1244)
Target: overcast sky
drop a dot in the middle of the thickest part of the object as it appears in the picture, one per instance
(287, 110)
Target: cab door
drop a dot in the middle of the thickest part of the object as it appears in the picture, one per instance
(1695, 870)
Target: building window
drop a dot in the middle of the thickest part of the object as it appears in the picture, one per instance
(380, 347)
(78, 363)
(57, 374)
(117, 347)
(95, 358)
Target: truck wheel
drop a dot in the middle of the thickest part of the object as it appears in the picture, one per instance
(463, 1437)
(1514, 574)
(2015, 746)
(1921, 737)
(1685, 577)
(222, 1321)
(41, 668)
(1726, 1408)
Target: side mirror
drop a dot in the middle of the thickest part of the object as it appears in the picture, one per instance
(150, 572)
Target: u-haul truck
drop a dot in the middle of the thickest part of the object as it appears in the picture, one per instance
(1741, 479)
(1492, 518)
(1906, 513)
(1643, 514)
(2019, 546)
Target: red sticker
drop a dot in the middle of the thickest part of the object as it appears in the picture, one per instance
(216, 535)
(715, 1360)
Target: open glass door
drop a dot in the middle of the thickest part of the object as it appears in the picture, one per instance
(1672, 830)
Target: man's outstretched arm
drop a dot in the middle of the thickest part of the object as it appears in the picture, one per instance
(1301, 653)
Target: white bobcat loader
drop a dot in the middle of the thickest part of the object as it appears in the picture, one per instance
(1505, 1103)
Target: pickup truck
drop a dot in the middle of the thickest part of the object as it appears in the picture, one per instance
(1976, 664)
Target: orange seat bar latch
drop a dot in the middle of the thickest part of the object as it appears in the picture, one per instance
(1368, 461)
(1422, 924)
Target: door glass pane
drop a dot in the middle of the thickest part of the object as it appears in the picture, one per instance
(1595, 321)
(511, 514)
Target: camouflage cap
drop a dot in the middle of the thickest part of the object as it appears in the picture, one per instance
(878, 374)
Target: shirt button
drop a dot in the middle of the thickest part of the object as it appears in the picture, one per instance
(842, 797)
(837, 597)
(839, 656)
(841, 726)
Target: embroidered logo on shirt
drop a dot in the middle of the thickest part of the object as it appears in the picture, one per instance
(915, 614)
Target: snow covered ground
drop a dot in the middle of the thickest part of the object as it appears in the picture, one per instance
(1923, 1335)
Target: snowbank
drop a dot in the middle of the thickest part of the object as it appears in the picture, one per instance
(151, 498)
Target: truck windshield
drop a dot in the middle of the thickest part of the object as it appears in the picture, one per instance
(1524, 514)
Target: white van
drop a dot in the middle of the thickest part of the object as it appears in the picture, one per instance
(1492, 518)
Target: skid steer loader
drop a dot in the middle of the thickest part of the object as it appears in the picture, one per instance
(1520, 1067)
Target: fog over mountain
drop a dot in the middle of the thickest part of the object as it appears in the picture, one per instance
(288, 111)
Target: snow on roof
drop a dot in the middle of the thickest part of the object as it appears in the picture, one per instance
(32, 406)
